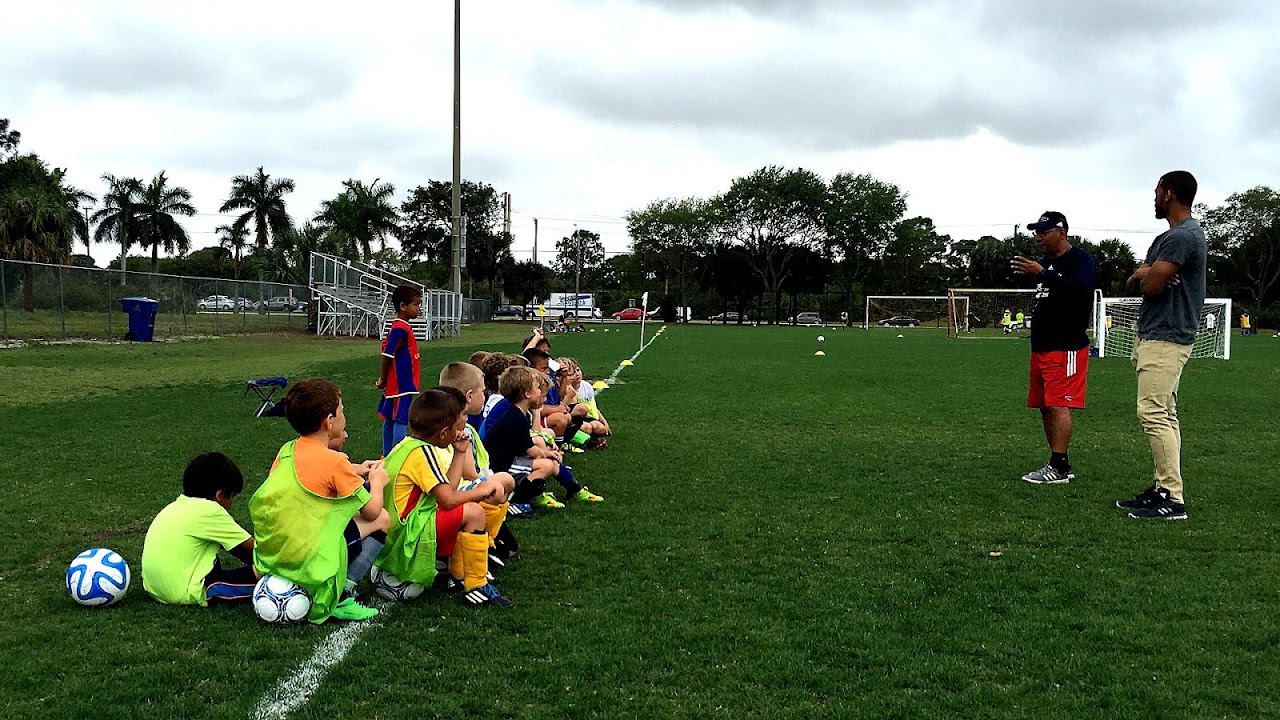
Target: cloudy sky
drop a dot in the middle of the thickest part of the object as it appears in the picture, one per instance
(985, 111)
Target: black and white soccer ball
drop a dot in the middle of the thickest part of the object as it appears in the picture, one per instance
(392, 588)
(279, 601)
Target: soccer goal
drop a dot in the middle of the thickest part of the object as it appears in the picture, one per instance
(1119, 319)
(990, 313)
(928, 311)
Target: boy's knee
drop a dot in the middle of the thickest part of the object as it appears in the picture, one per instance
(472, 516)
(383, 522)
(508, 483)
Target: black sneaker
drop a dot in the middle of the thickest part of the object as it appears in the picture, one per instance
(446, 582)
(1144, 499)
(486, 594)
(1166, 509)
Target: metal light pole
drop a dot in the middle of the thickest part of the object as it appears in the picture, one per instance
(535, 241)
(455, 276)
(577, 276)
(88, 235)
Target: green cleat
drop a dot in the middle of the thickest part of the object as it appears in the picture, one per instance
(547, 500)
(349, 609)
(585, 495)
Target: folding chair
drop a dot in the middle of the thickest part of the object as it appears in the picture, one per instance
(265, 389)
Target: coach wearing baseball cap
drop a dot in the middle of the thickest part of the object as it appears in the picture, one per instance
(1059, 338)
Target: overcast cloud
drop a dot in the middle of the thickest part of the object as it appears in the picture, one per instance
(985, 112)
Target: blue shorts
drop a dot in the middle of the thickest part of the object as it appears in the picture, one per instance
(229, 586)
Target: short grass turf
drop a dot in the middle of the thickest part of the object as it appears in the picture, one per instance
(784, 535)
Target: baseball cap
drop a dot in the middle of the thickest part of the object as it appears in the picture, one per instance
(1049, 219)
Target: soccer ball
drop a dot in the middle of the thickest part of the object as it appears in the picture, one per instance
(393, 588)
(98, 578)
(279, 601)
(821, 339)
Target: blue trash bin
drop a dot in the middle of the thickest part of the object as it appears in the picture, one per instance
(142, 317)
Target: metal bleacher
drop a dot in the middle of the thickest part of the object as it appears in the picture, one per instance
(354, 299)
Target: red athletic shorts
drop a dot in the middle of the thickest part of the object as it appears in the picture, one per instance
(1058, 378)
(448, 525)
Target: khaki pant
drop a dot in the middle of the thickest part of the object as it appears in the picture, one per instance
(1159, 365)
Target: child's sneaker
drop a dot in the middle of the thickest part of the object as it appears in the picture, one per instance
(585, 495)
(520, 511)
(570, 448)
(547, 500)
(486, 594)
(349, 609)
(597, 442)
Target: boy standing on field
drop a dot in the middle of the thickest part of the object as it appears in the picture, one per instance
(399, 379)
(180, 555)
(311, 514)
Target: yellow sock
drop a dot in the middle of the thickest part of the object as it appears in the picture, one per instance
(493, 517)
(456, 564)
(474, 547)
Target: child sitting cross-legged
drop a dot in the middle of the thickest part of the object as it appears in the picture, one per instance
(180, 563)
(314, 509)
(431, 517)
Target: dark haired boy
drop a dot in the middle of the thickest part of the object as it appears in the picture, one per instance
(314, 509)
(401, 371)
(180, 563)
(430, 517)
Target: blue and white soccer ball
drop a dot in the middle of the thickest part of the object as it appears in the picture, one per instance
(393, 588)
(279, 601)
(98, 578)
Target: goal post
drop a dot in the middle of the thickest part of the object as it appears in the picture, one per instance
(980, 312)
(929, 311)
(1117, 320)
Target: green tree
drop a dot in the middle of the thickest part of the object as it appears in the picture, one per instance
(1113, 262)
(9, 139)
(234, 239)
(580, 252)
(669, 233)
(526, 280)
(861, 215)
(262, 200)
(117, 220)
(35, 222)
(772, 214)
(157, 207)
(361, 216)
(1244, 243)
(427, 228)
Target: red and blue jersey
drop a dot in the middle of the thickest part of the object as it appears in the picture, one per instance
(401, 346)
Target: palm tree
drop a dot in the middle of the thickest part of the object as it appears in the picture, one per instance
(75, 199)
(233, 238)
(118, 218)
(35, 223)
(262, 199)
(364, 214)
(157, 206)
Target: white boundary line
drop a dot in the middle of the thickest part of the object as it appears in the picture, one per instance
(618, 370)
(296, 689)
(293, 691)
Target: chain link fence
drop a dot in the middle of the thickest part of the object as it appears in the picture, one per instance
(40, 302)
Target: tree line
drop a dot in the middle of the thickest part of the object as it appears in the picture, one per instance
(775, 242)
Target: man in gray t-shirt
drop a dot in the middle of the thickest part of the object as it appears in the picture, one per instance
(1172, 284)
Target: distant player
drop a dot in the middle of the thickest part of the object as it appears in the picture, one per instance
(1059, 338)
(1211, 323)
(400, 378)
(1172, 283)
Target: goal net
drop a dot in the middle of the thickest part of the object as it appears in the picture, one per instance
(906, 311)
(1119, 319)
(987, 313)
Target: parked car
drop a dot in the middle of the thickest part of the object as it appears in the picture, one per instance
(216, 302)
(806, 318)
(726, 317)
(899, 321)
(512, 311)
(279, 304)
(631, 313)
(244, 303)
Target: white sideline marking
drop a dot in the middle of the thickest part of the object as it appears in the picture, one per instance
(618, 370)
(295, 690)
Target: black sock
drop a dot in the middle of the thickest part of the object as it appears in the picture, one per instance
(1059, 462)
(379, 535)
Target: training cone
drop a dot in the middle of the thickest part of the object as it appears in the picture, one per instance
(599, 385)
(820, 354)
(899, 336)
(627, 363)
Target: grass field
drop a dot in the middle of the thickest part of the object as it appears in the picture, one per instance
(784, 536)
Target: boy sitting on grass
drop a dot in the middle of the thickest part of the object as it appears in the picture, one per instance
(564, 421)
(507, 433)
(431, 516)
(577, 392)
(493, 367)
(314, 509)
(180, 563)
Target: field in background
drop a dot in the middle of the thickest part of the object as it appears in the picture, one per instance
(784, 536)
